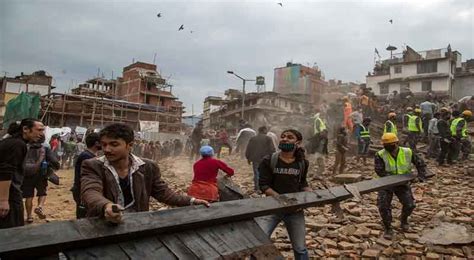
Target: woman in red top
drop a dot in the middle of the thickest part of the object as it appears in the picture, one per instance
(204, 185)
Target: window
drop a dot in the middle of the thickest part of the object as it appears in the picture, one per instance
(383, 89)
(427, 67)
(398, 69)
(426, 86)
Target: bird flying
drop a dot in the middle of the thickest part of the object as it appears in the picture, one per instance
(391, 21)
(281, 4)
(181, 27)
(158, 15)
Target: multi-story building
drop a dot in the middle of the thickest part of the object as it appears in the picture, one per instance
(38, 83)
(140, 95)
(265, 108)
(464, 80)
(299, 79)
(418, 72)
(211, 104)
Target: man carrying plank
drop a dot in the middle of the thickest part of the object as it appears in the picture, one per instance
(120, 181)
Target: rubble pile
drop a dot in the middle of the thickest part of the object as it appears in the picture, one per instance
(446, 198)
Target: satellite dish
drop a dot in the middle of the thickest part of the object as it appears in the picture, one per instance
(391, 49)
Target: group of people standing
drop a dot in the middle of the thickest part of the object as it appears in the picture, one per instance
(155, 150)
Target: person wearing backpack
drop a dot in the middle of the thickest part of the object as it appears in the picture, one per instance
(38, 161)
(285, 172)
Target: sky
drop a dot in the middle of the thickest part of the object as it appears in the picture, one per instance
(72, 39)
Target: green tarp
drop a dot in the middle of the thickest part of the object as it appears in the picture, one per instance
(21, 107)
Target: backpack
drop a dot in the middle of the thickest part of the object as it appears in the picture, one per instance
(274, 161)
(33, 159)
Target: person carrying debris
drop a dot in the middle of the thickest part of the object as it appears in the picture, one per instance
(204, 185)
(341, 149)
(243, 138)
(415, 128)
(259, 146)
(285, 172)
(363, 139)
(120, 181)
(393, 160)
(458, 131)
(389, 126)
(446, 141)
(93, 148)
(13, 150)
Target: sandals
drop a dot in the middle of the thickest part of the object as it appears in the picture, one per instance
(29, 220)
(40, 213)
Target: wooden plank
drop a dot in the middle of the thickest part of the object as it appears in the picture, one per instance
(208, 235)
(199, 247)
(147, 248)
(84, 232)
(104, 252)
(177, 247)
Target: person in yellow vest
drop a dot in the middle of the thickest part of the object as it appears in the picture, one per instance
(390, 126)
(393, 160)
(362, 133)
(319, 142)
(458, 131)
(415, 128)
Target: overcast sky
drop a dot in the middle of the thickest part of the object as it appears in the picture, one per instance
(72, 39)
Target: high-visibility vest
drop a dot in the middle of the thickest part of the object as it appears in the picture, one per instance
(393, 128)
(412, 123)
(454, 127)
(399, 165)
(365, 133)
(322, 125)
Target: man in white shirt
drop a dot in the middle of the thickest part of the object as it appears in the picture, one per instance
(433, 135)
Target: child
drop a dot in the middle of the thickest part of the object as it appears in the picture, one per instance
(204, 185)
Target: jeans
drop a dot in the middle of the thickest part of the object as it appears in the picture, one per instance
(256, 175)
(295, 225)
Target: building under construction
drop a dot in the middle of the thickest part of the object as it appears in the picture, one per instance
(141, 94)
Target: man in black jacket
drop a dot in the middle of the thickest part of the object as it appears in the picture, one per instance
(259, 146)
(13, 150)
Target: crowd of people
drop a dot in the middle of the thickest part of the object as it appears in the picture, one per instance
(116, 174)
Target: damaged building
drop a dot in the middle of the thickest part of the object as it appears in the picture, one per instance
(416, 71)
(141, 94)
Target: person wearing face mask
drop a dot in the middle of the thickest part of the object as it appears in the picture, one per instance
(285, 172)
(393, 160)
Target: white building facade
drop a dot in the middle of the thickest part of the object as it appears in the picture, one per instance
(418, 72)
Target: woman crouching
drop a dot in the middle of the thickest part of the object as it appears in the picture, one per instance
(204, 185)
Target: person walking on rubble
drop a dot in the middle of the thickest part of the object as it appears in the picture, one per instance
(415, 128)
(445, 142)
(342, 147)
(433, 136)
(259, 146)
(363, 139)
(120, 180)
(393, 160)
(204, 184)
(285, 172)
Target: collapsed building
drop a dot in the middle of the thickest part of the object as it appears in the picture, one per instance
(140, 95)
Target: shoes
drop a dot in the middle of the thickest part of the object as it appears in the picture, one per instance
(40, 213)
(388, 234)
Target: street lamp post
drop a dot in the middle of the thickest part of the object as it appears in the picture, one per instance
(243, 91)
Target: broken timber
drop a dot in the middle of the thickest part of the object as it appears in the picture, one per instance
(73, 236)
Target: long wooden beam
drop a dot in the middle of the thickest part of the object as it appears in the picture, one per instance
(66, 235)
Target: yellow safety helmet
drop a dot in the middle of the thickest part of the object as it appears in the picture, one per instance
(389, 138)
(409, 109)
(417, 110)
(444, 109)
(467, 113)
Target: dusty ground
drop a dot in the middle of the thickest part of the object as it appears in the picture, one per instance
(447, 197)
